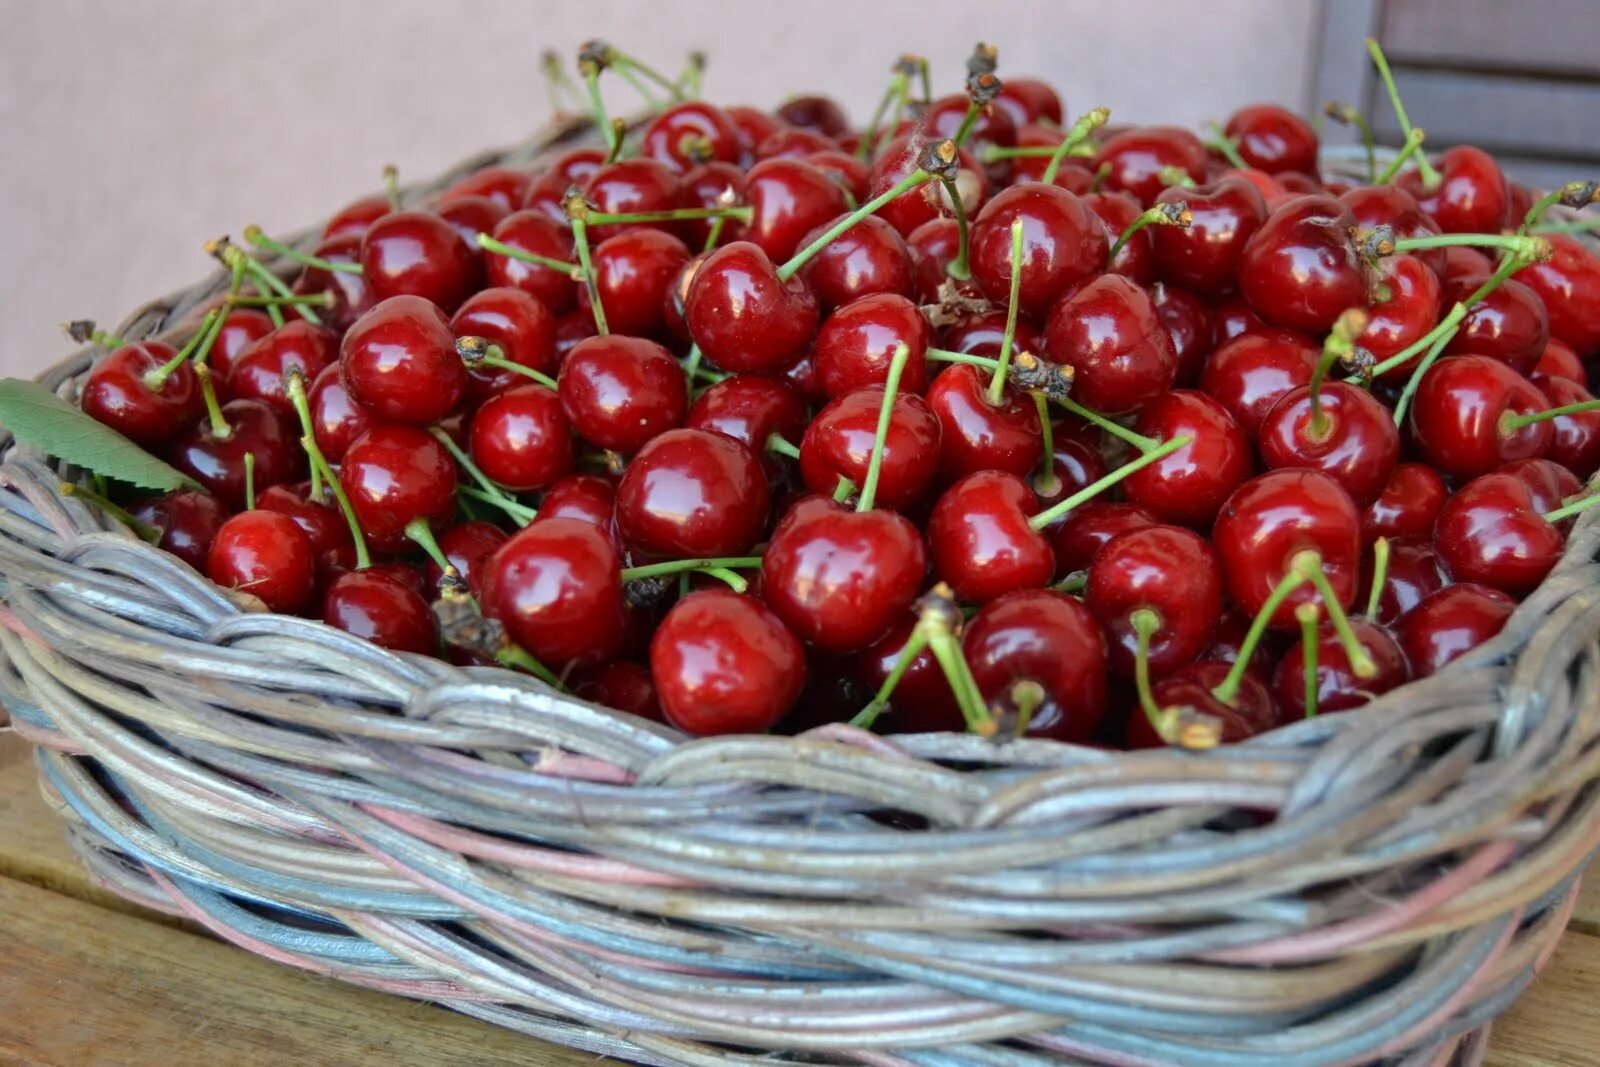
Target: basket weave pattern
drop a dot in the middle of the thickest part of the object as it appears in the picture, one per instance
(1371, 886)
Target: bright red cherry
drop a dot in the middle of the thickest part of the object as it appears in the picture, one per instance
(632, 272)
(1063, 243)
(519, 324)
(870, 257)
(977, 435)
(922, 701)
(1074, 464)
(1450, 623)
(1569, 285)
(354, 218)
(916, 206)
(1165, 569)
(1137, 157)
(1250, 373)
(556, 586)
(188, 521)
(1493, 532)
(1471, 196)
(631, 186)
(981, 542)
(691, 133)
(983, 334)
(1410, 311)
(839, 441)
(858, 341)
(711, 185)
(1575, 438)
(536, 233)
(1088, 529)
(319, 520)
(1192, 689)
(816, 113)
(217, 462)
(336, 420)
(506, 186)
(394, 475)
(122, 392)
(618, 392)
(1029, 100)
(1560, 361)
(1389, 205)
(351, 295)
(1408, 504)
(241, 328)
(1413, 573)
(265, 554)
(1302, 269)
(1350, 437)
(743, 317)
(1188, 322)
(1461, 416)
(1338, 686)
(1116, 212)
(693, 494)
(1204, 256)
(723, 664)
(1189, 486)
(945, 117)
(1273, 139)
(468, 546)
(259, 371)
(751, 410)
(382, 610)
(520, 438)
(788, 199)
(399, 362)
(1035, 635)
(1509, 324)
(852, 175)
(588, 497)
(470, 216)
(416, 253)
(1109, 335)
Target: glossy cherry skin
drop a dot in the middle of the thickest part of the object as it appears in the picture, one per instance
(856, 345)
(417, 253)
(1272, 518)
(618, 392)
(631, 186)
(1389, 205)
(632, 272)
(1301, 269)
(1063, 243)
(354, 218)
(1232, 317)
(1045, 637)
(980, 539)
(983, 334)
(1228, 641)
(994, 127)
(351, 295)
(1356, 444)
(743, 318)
(1559, 361)
(1250, 373)
(1459, 411)
(934, 246)
(1116, 212)
(241, 328)
(265, 554)
(468, 546)
(1414, 572)
(259, 371)
(840, 579)
(336, 420)
(870, 257)
(470, 216)
(852, 175)
(1077, 541)
(1165, 569)
(556, 585)
(723, 664)
(520, 438)
(690, 133)
(1075, 466)
(1569, 285)
(792, 143)
(381, 609)
(1252, 711)
(1188, 487)
(922, 701)
(838, 443)
(1471, 198)
(1138, 156)
(1273, 139)
(1109, 334)
(1411, 310)
(218, 462)
(1574, 439)
(1204, 256)
(976, 435)
(916, 206)
(621, 685)
(1190, 328)
(506, 186)
(693, 494)
(751, 409)
(1408, 504)
(394, 475)
(816, 113)
(710, 185)
(1450, 623)
(1338, 687)
(789, 198)
(115, 393)
(1509, 324)
(1492, 532)
(1029, 100)
(321, 521)
(188, 521)
(399, 363)
(519, 324)
(534, 232)
(588, 497)
(753, 124)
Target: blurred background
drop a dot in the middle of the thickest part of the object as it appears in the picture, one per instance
(131, 132)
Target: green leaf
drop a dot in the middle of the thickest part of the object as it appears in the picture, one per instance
(38, 417)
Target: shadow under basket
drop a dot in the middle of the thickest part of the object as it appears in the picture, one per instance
(1374, 886)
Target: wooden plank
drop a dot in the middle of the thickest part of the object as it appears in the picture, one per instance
(83, 985)
(1540, 36)
(1342, 69)
(1522, 115)
(1554, 1024)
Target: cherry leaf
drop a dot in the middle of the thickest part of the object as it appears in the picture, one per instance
(38, 417)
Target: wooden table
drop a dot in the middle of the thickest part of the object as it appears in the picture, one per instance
(88, 980)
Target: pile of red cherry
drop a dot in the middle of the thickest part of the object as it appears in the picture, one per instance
(966, 420)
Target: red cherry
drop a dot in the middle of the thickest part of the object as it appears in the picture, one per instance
(1165, 569)
(118, 393)
(1029, 100)
(1233, 317)
(1355, 441)
(1075, 466)
(321, 522)
(1338, 687)
(622, 686)
(1493, 532)
(1273, 139)
(922, 701)
(934, 246)
(1137, 157)
(265, 554)
(632, 272)
(1575, 438)
(870, 257)
(571, 328)
(538, 234)
(519, 324)
(1271, 519)
(711, 185)
(506, 186)
(1191, 688)
(259, 372)
(1408, 504)
(415, 253)
(1063, 243)
(520, 438)
(1073, 175)
(839, 443)
(852, 175)
(618, 392)
(1109, 334)
(723, 664)
(1227, 642)
(691, 133)
(470, 216)
(1450, 623)
(382, 610)
(792, 143)
(945, 117)
(1035, 635)
(693, 494)
(983, 334)
(587, 497)
(818, 114)
(1078, 540)
(753, 124)
(1470, 198)
(556, 585)
(1413, 573)
(1569, 285)
(399, 362)
(1302, 269)
(1411, 310)
(981, 542)
(858, 341)
(394, 475)
(631, 186)
(1560, 361)
(1189, 326)
(188, 521)
(351, 295)
(240, 329)
(1205, 255)
(468, 546)
(1460, 414)
(1117, 211)
(916, 206)
(743, 317)
(751, 410)
(353, 219)
(1189, 486)
(1250, 373)
(218, 462)
(1389, 205)
(788, 199)
(976, 435)
(839, 579)
(1509, 324)
(336, 420)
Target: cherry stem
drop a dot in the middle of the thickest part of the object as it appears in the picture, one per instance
(1174, 213)
(622, 61)
(294, 385)
(1380, 575)
(1046, 482)
(1226, 145)
(843, 489)
(1073, 584)
(1566, 511)
(500, 248)
(492, 493)
(714, 232)
(689, 80)
(521, 513)
(1308, 564)
(737, 212)
(650, 99)
(322, 299)
(1574, 194)
(999, 153)
(1412, 147)
(391, 186)
(891, 390)
(682, 566)
(580, 239)
(242, 262)
(590, 72)
(520, 658)
(558, 85)
(219, 424)
(1146, 624)
(420, 532)
(1175, 177)
(959, 268)
(1344, 113)
(947, 650)
(1340, 343)
(1089, 492)
(1510, 423)
(899, 85)
(85, 332)
(479, 352)
(1527, 248)
(155, 379)
(900, 91)
(779, 444)
(249, 481)
(1080, 132)
(1306, 614)
(145, 531)
(997, 380)
(804, 256)
(1110, 426)
(253, 234)
(1228, 689)
(319, 462)
(1430, 177)
(1098, 181)
(867, 717)
(944, 355)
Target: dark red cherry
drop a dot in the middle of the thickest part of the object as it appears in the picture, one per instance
(1272, 518)
(218, 462)
(536, 233)
(1355, 440)
(816, 113)
(1389, 205)
(1165, 569)
(1450, 623)
(1233, 317)
(1408, 504)
(1413, 573)
(1338, 687)
(1075, 466)
(320, 520)
(984, 333)
(416, 253)
(857, 343)
(353, 219)
(618, 392)
(1460, 412)
(1192, 689)
(840, 579)
(1509, 324)
(622, 686)
(394, 475)
(632, 272)
(259, 371)
(1493, 532)
(1035, 635)
(724, 664)
(753, 124)
(1470, 198)
(520, 438)
(556, 586)
(336, 420)
(519, 324)
(118, 392)
(1073, 175)
(382, 610)
(743, 317)
(976, 435)
(1575, 438)
(631, 186)
(587, 497)
(468, 546)
(994, 127)
(839, 441)
(470, 216)
(1188, 322)
(791, 142)
(922, 701)
(980, 539)
(351, 295)
(1117, 211)
(1189, 486)
(711, 185)
(1063, 243)
(1302, 269)
(788, 199)
(1088, 529)
(1273, 139)
(241, 328)
(188, 521)
(690, 133)
(506, 186)
(1227, 642)
(870, 257)
(1029, 100)
(1137, 157)
(1409, 311)
(1204, 256)
(693, 494)
(571, 328)
(1460, 260)
(751, 410)
(934, 246)
(1250, 373)
(1560, 361)
(266, 555)
(399, 362)
(916, 206)
(852, 175)
(1109, 335)
(1569, 285)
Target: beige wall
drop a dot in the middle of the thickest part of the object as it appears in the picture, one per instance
(132, 130)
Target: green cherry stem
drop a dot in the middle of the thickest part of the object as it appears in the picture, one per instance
(997, 380)
(896, 90)
(144, 530)
(320, 463)
(1098, 181)
(1430, 177)
(520, 513)
(959, 268)
(1086, 125)
(623, 61)
(1510, 423)
(938, 619)
(1175, 213)
(258, 239)
(155, 379)
(999, 153)
(520, 658)
(680, 566)
(1110, 426)
(1228, 689)
(735, 581)
(1345, 114)
(85, 332)
(391, 187)
(1308, 564)
(560, 88)
(500, 248)
(891, 390)
(479, 352)
(1226, 145)
(418, 531)
(1447, 326)
(1175, 177)
(1566, 511)
(1046, 482)
(1073, 584)
(867, 717)
(1306, 614)
(1089, 492)
(589, 67)
(1527, 248)
(1412, 147)
(321, 300)
(917, 177)
(219, 423)
(781, 446)
(944, 355)
(1340, 343)
(1146, 624)
(694, 68)
(578, 215)
(737, 212)
(1380, 575)
(1574, 194)
(492, 493)
(294, 384)
(842, 489)
(249, 481)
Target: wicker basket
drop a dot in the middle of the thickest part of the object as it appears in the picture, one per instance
(1364, 887)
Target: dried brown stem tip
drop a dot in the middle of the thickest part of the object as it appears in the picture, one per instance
(1579, 194)
(463, 625)
(575, 205)
(907, 64)
(647, 594)
(1036, 375)
(1378, 242)
(983, 88)
(941, 159)
(1340, 112)
(80, 330)
(937, 607)
(984, 59)
(1177, 213)
(595, 53)
(472, 350)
